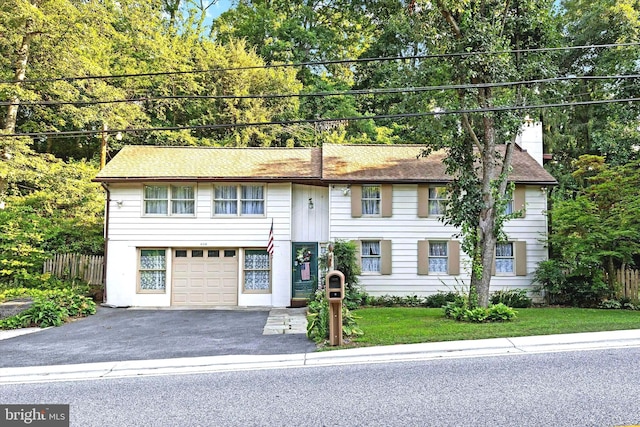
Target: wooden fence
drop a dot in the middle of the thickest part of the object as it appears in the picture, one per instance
(629, 281)
(88, 268)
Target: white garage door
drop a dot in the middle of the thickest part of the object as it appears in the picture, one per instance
(205, 277)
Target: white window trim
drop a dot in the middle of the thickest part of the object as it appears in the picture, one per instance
(379, 256)
(378, 199)
(139, 269)
(169, 200)
(430, 199)
(244, 270)
(446, 257)
(512, 258)
(239, 199)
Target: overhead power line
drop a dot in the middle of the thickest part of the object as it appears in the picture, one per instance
(325, 62)
(313, 121)
(382, 91)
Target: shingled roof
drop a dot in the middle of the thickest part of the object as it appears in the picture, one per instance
(331, 163)
(144, 162)
(400, 163)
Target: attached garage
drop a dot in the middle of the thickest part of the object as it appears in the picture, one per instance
(204, 276)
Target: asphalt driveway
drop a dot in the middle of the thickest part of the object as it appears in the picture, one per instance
(116, 334)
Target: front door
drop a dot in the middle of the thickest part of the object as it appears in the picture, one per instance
(305, 270)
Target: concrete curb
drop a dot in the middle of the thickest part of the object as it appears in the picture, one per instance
(395, 353)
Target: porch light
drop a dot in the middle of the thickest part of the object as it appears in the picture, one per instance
(310, 203)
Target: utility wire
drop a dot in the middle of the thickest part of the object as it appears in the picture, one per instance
(311, 121)
(382, 91)
(325, 62)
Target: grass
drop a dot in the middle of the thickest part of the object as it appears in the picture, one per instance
(401, 325)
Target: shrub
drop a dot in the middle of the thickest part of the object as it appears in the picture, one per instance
(460, 310)
(45, 313)
(50, 307)
(346, 261)
(610, 304)
(500, 313)
(440, 299)
(318, 319)
(583, 286)
(516, 298)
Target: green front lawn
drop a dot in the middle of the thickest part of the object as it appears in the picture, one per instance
(399, 325)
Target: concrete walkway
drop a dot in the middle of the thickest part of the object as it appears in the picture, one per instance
(286, 321)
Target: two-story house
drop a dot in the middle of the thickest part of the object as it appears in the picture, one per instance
(189, 226)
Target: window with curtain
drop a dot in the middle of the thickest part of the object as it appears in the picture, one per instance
(438, 257)
(152, 270)
(437, 200)
(252, 201)
(371, 200)
(370, 256)
(225, 200)
(158, 198)
(233, 199)
(256, 270)
(183, 200)
(504, 258)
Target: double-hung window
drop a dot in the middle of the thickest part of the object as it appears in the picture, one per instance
(225, 200)
(169, 200)
(257, 269)
(438, 257)
(252, 202)
(371, 198)
(152, 270)
(437, 200)
(232, 199)
(504, 258)
(370, 256)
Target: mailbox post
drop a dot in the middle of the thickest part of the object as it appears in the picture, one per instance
(334, 287)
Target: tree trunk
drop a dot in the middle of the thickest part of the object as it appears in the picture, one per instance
(20, 73)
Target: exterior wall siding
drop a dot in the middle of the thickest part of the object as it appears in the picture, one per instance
(287, 205)
(129, 229)
(404, 229)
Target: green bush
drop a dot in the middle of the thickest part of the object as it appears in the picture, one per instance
(346, 261)
(500, 313)
(516, 298)
(45, 313)
(318, 319)
(460, 310)
(583, 286)
(440, 299)
(50, 307)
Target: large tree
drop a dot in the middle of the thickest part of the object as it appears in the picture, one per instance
(493, 34)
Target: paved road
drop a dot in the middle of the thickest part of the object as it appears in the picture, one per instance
(587, 388)
(121, 334)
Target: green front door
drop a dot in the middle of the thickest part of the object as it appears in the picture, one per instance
(305, 269)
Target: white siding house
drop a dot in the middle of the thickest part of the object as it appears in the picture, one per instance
(189, 226)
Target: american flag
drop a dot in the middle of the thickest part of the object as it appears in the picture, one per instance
(270, 246)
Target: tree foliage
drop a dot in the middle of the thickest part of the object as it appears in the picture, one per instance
(48, 206)
(598, 229)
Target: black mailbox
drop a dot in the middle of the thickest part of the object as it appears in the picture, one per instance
(334, 285)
